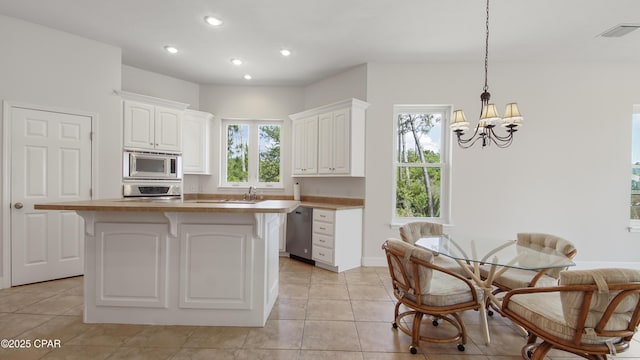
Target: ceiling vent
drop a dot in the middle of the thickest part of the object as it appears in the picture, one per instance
(620, 30)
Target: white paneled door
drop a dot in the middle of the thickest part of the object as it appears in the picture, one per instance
(50, 162)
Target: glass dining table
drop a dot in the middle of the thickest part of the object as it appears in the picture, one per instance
(495, 257)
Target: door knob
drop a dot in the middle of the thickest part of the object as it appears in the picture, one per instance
(18, 205)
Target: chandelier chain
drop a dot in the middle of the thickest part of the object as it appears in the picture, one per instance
(486, 50)
(485, 132)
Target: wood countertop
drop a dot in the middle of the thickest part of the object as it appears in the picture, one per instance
(193, 205)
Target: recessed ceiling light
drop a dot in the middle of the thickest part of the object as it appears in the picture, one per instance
(620, 30)
(236, 62)
(247, 77)
(285, 52)
(212, 21)
(171, 49)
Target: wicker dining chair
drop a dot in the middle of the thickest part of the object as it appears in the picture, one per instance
(427, 289)
(519, 278)
(411, 232)
(590, 313)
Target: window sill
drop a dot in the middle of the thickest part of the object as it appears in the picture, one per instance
(446, 227)
(634, 227)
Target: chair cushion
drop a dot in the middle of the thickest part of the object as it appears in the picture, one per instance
(518, 278)
(447, 290)
(546, 243)
(544, 310)
(424, 273)
(572, 300)
(411, 232)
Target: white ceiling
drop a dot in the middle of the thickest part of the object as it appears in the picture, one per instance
(329, 36)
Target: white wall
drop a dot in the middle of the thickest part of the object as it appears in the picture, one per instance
(45, 67)
(351, 83)
(161, 86)
(567, 172)
(248, 102)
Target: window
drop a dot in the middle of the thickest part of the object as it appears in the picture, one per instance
(635, 168)
(420, 168)
(251, 153)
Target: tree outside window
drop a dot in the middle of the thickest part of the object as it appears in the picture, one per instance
(252, 150)
(421, 154)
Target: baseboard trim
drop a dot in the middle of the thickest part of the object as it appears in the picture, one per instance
(374, 261)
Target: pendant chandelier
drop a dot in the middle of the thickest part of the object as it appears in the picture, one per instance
(489, 118)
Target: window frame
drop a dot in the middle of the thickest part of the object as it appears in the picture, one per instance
(445, 162)
(253, 153)
(634, 224)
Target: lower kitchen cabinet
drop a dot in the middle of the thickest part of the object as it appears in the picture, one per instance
(181, 268)
(337, 239)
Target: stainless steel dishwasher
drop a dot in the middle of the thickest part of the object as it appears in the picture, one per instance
(299, 227)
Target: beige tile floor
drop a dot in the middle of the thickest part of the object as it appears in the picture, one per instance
(318, 315)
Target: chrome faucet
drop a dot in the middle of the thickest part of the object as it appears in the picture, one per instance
(251, 194)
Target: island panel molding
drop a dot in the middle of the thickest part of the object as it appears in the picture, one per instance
(132, 262)
(182, 263)
(212, 248)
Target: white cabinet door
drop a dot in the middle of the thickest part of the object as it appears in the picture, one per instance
(168, 129)
(139, 124)
(334, 130)
(341, 149)
(305, 146)
(311, 142)
(298, 147)
(325, 143)
(196, 142)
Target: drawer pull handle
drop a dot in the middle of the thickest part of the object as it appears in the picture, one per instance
(321, 228)
(322, 241)
(321, 254)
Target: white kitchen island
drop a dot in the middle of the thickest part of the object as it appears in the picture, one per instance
(180, 263)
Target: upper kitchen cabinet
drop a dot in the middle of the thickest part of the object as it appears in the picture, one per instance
(152, 123)
(196, 128)
(330, 140)
(305, 146)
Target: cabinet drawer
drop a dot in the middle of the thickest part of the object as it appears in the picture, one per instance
(323, 228)
(323, 215)
(322, 254)
(322, 240)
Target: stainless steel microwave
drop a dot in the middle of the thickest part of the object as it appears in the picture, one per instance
(138, 165)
